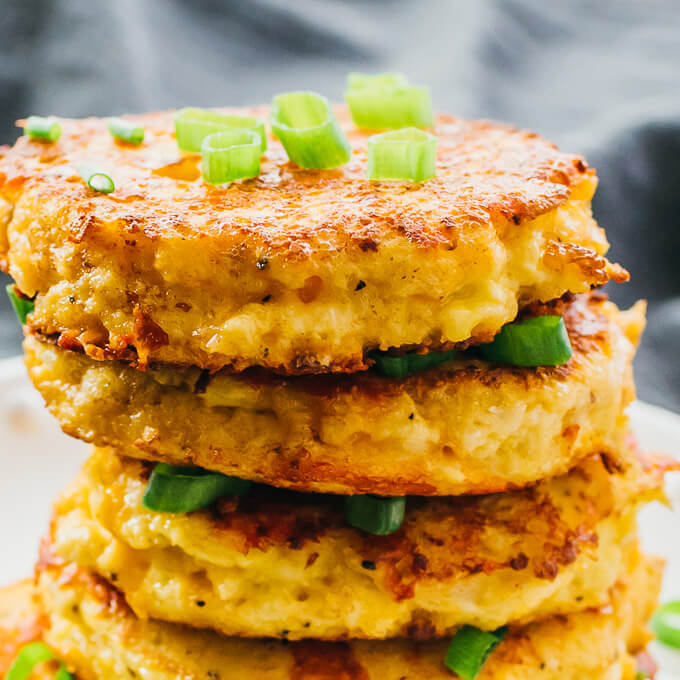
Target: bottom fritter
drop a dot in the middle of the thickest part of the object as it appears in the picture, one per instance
(94, 631)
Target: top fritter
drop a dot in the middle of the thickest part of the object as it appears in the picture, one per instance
(300, 271)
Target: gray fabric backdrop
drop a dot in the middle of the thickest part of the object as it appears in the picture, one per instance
(597, 76)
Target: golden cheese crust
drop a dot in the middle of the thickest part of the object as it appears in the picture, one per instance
(286, 565)
(465, 427)
(91, 626)
(299, 271)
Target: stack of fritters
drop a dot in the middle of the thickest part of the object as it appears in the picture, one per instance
(240, 329)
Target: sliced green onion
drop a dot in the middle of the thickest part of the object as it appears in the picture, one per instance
(641, 675)
(126, 131)
(356, 81)
(47, 129)
(96, 177)
(22, 306)
(101, 182)
(177, 489)
(408, 154)
(540, 341)
(387, 102)
(407, 364)
(29, 657)
(231, 154)
(470, 648)
(305, 124)
(375, 515)
(193, 125)
(666, 624)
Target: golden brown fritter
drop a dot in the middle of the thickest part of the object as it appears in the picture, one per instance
(300, 271)
(464, 427)
(280, 564)
(92, 627)
(20, 623)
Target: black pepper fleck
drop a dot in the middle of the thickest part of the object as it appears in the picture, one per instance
(367, 564)
(360, 285)
(412, 416)
(200, 603)
(266, 298)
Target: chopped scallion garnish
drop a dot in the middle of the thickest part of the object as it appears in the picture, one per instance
(229, 155)
(666, 624)
(126, 131)
(356, 81)
(101, 182)
(374, 514)
(539, 341)
(45, 129)
(29, 657)
(22, 306)
(408, 154)
(470, 648)
(305, 124)
(387, 102)
(193, 125)
(177, 489)
(409, 363)
(96, 177)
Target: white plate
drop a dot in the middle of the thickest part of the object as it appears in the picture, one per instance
(37, 460)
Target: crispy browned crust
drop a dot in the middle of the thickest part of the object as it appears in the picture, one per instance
(484, 170)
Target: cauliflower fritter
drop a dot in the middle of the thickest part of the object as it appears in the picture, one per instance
(90, 626)
(299, 271)
(464, 427)
(282, 564)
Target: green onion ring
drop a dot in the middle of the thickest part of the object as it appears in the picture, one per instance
(305, 124)
(374, 514)
(387, 102)
(666, 624)
(193, 125)
(409, 363)
(408, 154)
(470, 648)
(29, 657)
(126, 131)
(44, 129)
(539, 341)
(22, 306)
(356, 81)
(177, 489)
(101, 182)
(230, 155)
